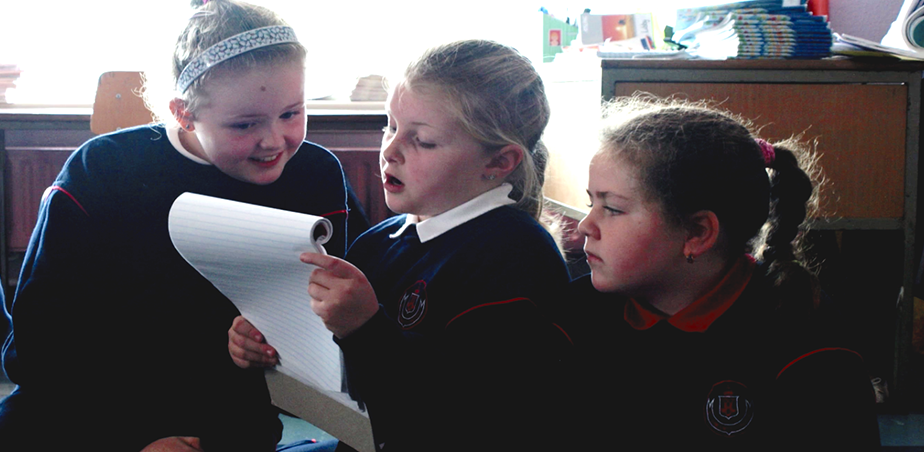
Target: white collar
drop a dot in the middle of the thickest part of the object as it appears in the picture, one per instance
(173, 134)
(433, 227)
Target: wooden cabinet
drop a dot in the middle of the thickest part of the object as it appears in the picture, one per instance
(865, 119)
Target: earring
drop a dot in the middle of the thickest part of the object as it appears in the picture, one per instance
(690, 258)
(188, 126)
(488, 176)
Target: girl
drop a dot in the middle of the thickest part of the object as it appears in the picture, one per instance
(101, 273)
(439, 312)
(712, 348)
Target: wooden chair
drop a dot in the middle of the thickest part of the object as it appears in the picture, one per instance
(118, 103)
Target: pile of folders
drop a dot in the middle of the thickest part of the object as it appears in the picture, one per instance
(754, 29)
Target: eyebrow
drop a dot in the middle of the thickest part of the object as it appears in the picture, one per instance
(606, 195)
(260, 115)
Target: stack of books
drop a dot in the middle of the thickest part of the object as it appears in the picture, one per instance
(8, 75)
(754, 29)
(370, 88)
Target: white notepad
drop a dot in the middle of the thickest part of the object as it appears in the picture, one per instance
(251, 254)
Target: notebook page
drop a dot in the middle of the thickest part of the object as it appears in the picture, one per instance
(250, 253)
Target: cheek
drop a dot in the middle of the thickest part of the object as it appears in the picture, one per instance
(296, 131)
(231, 148)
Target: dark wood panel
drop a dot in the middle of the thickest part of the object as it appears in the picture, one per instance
(29, 171)
(361, 168)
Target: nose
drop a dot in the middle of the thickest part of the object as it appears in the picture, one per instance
(391, 150)
(273, 137)
(588, 228)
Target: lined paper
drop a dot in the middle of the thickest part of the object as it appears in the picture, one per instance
(250, 253)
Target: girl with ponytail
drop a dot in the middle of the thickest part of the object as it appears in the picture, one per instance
(706, 319)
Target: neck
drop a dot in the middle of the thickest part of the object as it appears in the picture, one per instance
(191, 144)
(693, 281)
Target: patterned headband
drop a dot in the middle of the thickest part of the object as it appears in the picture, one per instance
(232, 47)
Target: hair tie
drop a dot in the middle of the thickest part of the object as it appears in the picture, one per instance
(767, 150)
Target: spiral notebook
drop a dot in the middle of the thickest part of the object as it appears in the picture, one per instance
(251, 254)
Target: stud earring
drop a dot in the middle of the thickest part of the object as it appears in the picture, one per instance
(488, 176)
(690, 258)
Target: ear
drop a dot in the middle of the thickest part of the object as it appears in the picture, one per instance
(503, 162)
(183, 116)
(702, 233)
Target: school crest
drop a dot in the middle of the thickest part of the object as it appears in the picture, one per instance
(729, 411)
(413, 305)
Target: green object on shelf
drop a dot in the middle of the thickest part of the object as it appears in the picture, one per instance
(555, 35)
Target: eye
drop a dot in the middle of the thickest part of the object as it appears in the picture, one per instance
(613, 211)
(424, 145)
(290, 114)
(389, 129)
(243, 125)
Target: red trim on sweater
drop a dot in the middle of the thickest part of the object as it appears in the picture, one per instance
(564, 332)
(493, 303)
(57, 188)
(827, 349)
(344, 211)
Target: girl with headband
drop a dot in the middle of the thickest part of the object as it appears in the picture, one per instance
(693, 342)
(118, 342)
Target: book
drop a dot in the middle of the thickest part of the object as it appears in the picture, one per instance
(599, 29)
(906, 32)
(755, 29)
(859, 47)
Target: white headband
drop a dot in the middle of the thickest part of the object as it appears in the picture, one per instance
(232, 47)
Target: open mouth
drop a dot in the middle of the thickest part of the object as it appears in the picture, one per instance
(267, 159)
(392, 180)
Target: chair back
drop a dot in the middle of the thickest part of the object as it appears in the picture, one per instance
(118, 103)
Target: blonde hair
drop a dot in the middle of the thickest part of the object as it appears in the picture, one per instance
(498, 98)
(212, 23)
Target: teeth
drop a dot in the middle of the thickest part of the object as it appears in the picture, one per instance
(264, 159)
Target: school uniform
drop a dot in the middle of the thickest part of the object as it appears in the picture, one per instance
(460, 354)
(115, 338)
(726, 373)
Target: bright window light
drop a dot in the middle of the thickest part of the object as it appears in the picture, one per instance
(62, 46)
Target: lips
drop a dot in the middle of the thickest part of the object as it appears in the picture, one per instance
(392, 183)
(591, 257)
(269, 160)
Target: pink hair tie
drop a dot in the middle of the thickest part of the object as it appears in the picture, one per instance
(767, 149)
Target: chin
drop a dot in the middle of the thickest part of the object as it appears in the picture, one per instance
(602, 284)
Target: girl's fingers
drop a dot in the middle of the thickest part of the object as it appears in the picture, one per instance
(242, 326)
(336, 267)
(246, 358)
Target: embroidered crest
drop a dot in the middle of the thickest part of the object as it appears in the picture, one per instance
(728, 409)
(413, 305)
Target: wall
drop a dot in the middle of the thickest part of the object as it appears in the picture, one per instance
(868, 19)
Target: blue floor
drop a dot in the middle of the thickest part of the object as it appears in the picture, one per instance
(902, 432)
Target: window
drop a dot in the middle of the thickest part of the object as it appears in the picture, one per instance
(62, 46)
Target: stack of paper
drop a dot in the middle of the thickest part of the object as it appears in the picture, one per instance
(370, 88)
(754, 29)
(8, 75)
